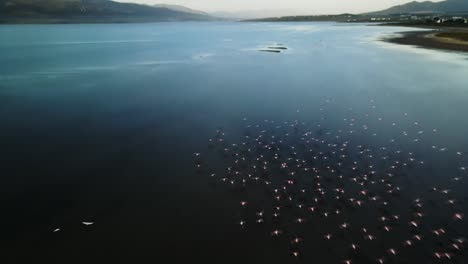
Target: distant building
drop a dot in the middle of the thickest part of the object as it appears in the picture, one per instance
(458, 20)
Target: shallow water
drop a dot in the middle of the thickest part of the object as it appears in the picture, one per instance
(100, 123)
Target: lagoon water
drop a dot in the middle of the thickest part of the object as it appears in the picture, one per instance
(100, 122)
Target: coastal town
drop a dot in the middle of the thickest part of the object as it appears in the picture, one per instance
(444, 19)
(439, 19)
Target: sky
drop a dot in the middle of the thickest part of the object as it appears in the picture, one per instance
(293, 7)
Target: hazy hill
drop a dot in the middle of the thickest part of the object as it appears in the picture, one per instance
(448, 6)
(63, 11)
(255, 14)
(181, 9)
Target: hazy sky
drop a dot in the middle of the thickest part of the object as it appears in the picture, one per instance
(295, 6)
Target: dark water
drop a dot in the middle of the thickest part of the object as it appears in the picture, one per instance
(100, 122)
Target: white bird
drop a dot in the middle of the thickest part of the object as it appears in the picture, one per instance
(87, 223)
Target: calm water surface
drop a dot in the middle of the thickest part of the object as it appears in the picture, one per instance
(100, 123)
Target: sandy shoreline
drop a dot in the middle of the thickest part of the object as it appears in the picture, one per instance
(443, 39)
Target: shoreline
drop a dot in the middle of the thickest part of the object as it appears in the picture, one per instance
(448, 39)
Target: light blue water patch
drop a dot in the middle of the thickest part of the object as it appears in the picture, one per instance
(219, 67)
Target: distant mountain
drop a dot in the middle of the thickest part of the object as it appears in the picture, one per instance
(448, 6)
(181, 9)
(254, 14)
(84, 11)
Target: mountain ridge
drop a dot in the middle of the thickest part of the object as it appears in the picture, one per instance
(447, 6)
(181, 9)
(63, 11)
